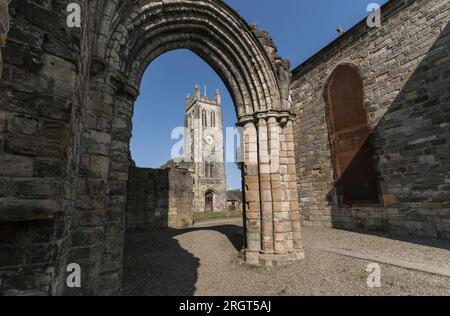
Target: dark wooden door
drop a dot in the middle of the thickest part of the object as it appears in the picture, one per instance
(349, 134)
(209, 202)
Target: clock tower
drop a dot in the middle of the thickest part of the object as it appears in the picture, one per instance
(204, 151)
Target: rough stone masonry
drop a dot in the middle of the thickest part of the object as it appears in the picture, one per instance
(66, 102)
(4, 27)
(404, 67)
(159, 198)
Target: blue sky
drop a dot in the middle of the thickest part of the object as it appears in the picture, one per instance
(300, 28)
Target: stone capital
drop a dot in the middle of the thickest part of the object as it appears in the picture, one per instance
(282, 117)
(246, 119)
(278, 116)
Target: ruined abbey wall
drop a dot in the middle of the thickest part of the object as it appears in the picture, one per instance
(159, 198)
(41, 91)
(405, 68)
(66, 102)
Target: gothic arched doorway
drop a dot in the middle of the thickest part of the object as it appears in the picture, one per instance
(209, 201)
(349, 135)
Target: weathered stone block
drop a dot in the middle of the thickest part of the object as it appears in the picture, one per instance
(88, 236)
(34, 146)
(36, 188)
(3, 122)
(16, 166)
(24, 124)
(47, 167)
(432, 205)
(98, 166)
(14, 210)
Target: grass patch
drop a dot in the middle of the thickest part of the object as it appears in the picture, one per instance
(216, 215)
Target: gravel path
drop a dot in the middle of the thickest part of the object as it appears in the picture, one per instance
(422, 251)
(203, 261)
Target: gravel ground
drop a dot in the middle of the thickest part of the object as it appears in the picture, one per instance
(422, 251)
(203, 260)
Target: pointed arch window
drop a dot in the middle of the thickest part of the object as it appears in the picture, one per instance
(209, 170)
(204, 119)
(213, 119)
(352, 152)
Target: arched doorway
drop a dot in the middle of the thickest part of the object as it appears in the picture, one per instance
(209, 201)
(128, 37)
(349, 135)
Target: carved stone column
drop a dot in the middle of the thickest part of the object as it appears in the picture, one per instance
(272, 213)
(277, 190)
(265, 186)
(4, 28)
(293, 191)
(251, 193)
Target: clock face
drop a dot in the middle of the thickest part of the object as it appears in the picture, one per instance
(209, 140)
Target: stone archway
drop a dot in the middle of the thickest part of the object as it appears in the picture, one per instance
(209, 201)
(352, 152)
(128, 37)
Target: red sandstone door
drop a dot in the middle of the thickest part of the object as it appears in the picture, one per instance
(209, 202)
(349, 135)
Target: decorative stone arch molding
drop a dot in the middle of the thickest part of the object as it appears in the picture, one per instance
(128, 36)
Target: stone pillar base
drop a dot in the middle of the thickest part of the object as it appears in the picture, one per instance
(272, 259)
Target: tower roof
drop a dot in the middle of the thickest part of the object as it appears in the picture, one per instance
(191, 100)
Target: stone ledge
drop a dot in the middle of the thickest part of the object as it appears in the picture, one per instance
(27, 210)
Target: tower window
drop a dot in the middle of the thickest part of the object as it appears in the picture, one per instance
(204, 119)
(356, 180)
(213, 119)
(209, 170)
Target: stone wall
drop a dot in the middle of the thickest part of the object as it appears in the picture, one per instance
(158, 198)
(66, 103)
(218, 187)
(405, 68)
(41, 91)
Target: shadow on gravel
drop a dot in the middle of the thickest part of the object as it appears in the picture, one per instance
(424, 241)
(156, 265)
